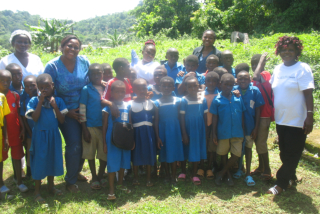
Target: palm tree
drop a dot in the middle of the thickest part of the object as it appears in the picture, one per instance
(51, 34)
(115, 39)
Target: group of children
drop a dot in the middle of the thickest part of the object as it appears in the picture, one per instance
(184, 116)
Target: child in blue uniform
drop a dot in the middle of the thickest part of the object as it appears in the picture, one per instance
(172, 65)
(169, 132)
(159, 72)
(193, 112)
(46, 147)
(252, 99)
(227, 61)
(142, 115)
(117, 159)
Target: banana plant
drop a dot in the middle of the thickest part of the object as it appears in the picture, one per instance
(115, 39)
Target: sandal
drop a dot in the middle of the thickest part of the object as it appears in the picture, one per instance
(238, 174)
(274, 191)
(256, 172)
(103, 182)
(111, 197)
(195, 180)
(182, 177)
(4, 189)
(73, 188)
(135, 182)
(249, 181)
(123, 188)
(291, 182)
(210, 175)
(149, 184)
(55, 191)
(6, 197)
(39, 199)
(82, 177)
(230, 182)
(95, 185)
(200, 173)
(22, 188)
(266, 177)
(218, 180)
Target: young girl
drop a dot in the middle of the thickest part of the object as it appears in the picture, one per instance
(46, 147)
(168, 129)
(142, 113)
(193, 112)
(145, 67)
(117, 159)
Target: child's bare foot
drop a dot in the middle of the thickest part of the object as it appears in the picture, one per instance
(55, 191)
(256, 171)
(82, 177)
(111, 197)
(39, 199)
(123, 188)
(73, 188)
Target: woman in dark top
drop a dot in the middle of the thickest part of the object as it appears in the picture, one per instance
(207, 48)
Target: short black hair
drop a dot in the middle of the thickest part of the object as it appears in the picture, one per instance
(30, 77)
(256, 58)
(43, 77)
(242, 67)
(212, 74)
(3, 72)
(192, 58)
(209, 30)
(226, 52)
(167, 79)
(243, 71)
(12, 66)
(191, 78)
(212, 56)
(118, 62)
(162, 68)
(172, 50)
(95, 66)
(226, 77)
(106, 66)
(67, 38)
(138, 81)
(117, 83)
(220, 71)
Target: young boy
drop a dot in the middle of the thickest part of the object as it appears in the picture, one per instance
(191, 65)
(15, 127)
(227, 61)
(220, 71)
(252, 100)
(172, 65)
(91, 121)
(211, 91)
(227, 127)
(212, 62)
(261, 80)
(133, 75)
(107, 72)
(242, 67)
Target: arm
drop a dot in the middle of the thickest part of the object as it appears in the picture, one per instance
(185, 137)
(26, 125)
(113, 108)
(37, 112)
(104, 130)
(205, 125)
(308, 123)
(254, 132)
(23, 131)
(243, 125)
(214, 128)
(54, 105)
(156, 127)
(4, 133)
(260, 67)
(130, 121)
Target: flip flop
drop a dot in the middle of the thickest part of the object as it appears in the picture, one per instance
(149, 184)
(200, 173)
(256, 172)
(39, 199)
(210, 175)
(135, 182)
(266, 177)
(6, 197)
(291, 182)
(182, 177)
(195, 180)
(123, 188)
(55, 191)
(230, 182)
(104, 182)
(274, 191)
(218, 180)
(22, 188)
(249, 181)
(111, 197)
(238, 174)
(4, 189)
(73, 190)
(82, 178)
(95, 185)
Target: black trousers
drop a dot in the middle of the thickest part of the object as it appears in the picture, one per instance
(291, 144)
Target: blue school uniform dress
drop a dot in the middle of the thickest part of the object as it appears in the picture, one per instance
(46, 145)
(233, 71)
(169, 131)
(230, 116)
(252, 99)
(173, 72)
(117, 158)
(157, 94)
(193, 112)
(179, 80)
(142, 115)
(23, 109)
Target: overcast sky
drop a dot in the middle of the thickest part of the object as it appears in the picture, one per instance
(69, 9)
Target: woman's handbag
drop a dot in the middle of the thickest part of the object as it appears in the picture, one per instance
(122, 135)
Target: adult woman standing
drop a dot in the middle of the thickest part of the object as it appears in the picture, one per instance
(70, 74)
(207, 48)
(292, 83)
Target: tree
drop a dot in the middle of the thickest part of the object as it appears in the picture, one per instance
(115, 39)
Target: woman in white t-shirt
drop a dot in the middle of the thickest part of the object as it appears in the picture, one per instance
(30, 64)
(292, 83)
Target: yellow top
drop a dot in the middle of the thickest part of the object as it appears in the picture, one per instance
(4, 110)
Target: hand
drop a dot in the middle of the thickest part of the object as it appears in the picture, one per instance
(264, 59)
(308, 124)
(42, 97)
(134, 146)
(21, 136)
(103, 83)
(185, 139)
(215, 139)
(159, 143)
(73, 114)
(53, 103)
(105, 149)
(254, 133)
(149, 95)
(86, 135)
(236, 93)
(180, 74)
(6, 145)
(114, 110)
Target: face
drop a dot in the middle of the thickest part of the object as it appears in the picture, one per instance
(243, 80)
(107, 74)
(132, 76)
(140, 90)
(211, 83)
(16, 75)
(254, 65)
(96, 76)
(212, 64)
(118, 93)
(172, 57)
(46, 88)
(192, 87)
(21, 43)
(227, 86)
(208, 39)
(71, 49)
(124, 70)
(30, 86)
(157, 75)
(227, 59)
(166, 87)
(149, 53)
(191, 66)
(289, 54)
(5, 80)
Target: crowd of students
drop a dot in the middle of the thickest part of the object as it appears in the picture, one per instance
(178, 116)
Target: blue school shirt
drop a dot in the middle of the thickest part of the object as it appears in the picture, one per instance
(233, 71)
(157, 94)
(230, 116)
(69, 85)
(252, 99)
(172, 72)
(23, 109)
(92, 99)
(200, 77)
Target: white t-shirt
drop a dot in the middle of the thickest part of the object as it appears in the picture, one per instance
(288, 84)
(146, 71)
(34, 67)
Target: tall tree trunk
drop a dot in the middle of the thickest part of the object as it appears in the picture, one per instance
(57, 45)
(52, 46)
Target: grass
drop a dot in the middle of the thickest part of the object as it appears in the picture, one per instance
(185, 198)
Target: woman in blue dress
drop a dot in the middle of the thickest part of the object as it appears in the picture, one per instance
(142, 114)
(193, 112)
(170, 140)
(46, 146)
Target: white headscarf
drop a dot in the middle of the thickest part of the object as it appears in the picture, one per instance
(20, 32)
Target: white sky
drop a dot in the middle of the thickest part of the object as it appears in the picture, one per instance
(69, 9)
